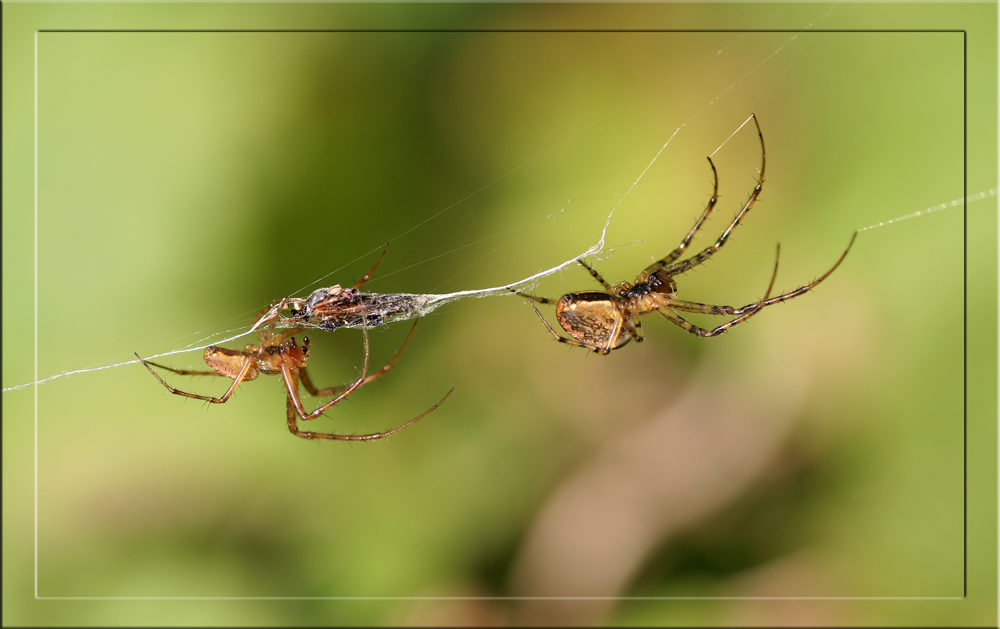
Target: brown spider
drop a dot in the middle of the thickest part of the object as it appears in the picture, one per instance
(609, 319)
(279, 354)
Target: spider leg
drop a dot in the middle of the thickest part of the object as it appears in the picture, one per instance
(711, 309)
(293, 426)
(291, 378)
(808, 287)
(597, 276)
(747, 311)
(368, 275)
(563, 339)
(311, 388)
(705, 254)
(278, 339)
(183, 372)
(676, 253)
(615, 335)
(268, 338)
(636, 330)
(268, 308)
(541, 300)
(264, 336)
(214, 400)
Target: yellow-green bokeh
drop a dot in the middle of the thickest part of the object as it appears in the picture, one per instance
(185, 179)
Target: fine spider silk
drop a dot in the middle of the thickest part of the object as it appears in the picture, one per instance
(606, 320)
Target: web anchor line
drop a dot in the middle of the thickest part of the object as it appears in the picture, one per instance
(979, 196)
(369, 309)
(418, 305)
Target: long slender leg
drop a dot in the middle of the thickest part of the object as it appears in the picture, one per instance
(685, 265)
(183, 372)
(712, 309)
(541, 300)
(681, 322)
(368, 275)
(266, 336)
(214, 400)
(597, 276)
(748, 311)
(293, 427)
(558, 337)
(275, 308)
(291, 378)
(676, 253)
(808, 287)
(311, 388)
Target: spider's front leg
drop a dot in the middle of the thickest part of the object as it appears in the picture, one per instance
(240, 371)
(368, 275)
(676, 253)
(685, 265)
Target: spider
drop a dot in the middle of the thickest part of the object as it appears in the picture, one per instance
(279, 354)
(606, 320)
(335, 306)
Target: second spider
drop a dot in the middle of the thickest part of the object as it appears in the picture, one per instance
(608, 319)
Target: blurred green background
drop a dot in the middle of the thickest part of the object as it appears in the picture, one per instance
(185, 179)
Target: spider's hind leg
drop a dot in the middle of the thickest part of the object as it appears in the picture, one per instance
(559, 337)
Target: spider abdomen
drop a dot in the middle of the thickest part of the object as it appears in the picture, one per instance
(593, 318)
(229, 362)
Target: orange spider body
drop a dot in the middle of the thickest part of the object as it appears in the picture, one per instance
(230, 362)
